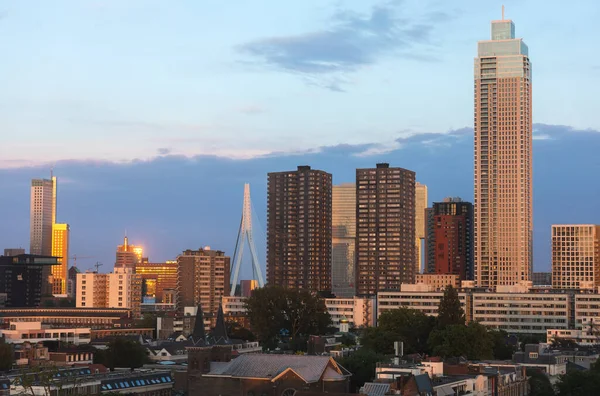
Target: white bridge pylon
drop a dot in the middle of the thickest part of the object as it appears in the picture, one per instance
(245, 233)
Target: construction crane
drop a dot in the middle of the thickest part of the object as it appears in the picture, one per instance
(98, 264)
(75, 257)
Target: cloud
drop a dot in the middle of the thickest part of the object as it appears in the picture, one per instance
(163, 151)
(352, 41)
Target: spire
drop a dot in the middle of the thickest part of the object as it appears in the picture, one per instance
(502, 11)
(220, 331)
(198, 334)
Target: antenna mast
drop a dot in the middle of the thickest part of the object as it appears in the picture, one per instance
(502, 11)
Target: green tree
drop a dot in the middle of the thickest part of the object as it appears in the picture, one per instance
(122, 353)
(7, 356)
(578, 383)
(410, 326)
(450, 312)
(539, 383)
(503, 350)
(362, 365)
(236, 331)
(273, 310)
(472, 341)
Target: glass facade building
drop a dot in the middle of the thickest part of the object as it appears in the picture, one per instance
(343, 239)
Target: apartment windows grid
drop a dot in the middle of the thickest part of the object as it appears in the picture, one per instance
(299, 226)
(385, 229)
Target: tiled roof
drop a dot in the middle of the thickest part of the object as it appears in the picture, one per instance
(375, 389)
(310, 368)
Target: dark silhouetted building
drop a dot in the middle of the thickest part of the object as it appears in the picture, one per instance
(385, 229)
(21, 278)
(202, 279)
(449, 238)
(299, 229)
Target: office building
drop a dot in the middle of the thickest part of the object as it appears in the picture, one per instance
(42, 217)
(156, 277)
(119, 289)
(356, 312)
(542, 278)
(575, 256)
(516, 309)
(385, 229)
(503, 159)
(128, 255)
(203, 277)
(14, 251)
(299, 229)
(60, 250)
(22, 278)
(420, 226)
(449, 240)
(343, 239)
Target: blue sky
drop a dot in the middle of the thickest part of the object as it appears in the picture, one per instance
(130, 100)
(118, 80)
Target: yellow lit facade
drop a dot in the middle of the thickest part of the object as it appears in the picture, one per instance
(128, 255)
(60, 249)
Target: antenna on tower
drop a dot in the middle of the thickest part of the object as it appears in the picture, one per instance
(245, 233)
(502, 11)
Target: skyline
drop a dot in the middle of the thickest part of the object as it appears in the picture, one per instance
(265, 82)
(103, 201)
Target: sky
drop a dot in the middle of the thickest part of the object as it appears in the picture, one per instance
(155, 113)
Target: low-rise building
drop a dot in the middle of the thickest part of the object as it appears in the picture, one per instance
(357, 311)
(33, 332)
(95, 318)
(439, 281)
(421, 297)
(516, 309)
(541, 357)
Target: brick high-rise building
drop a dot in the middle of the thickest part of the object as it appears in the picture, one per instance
(203, 277)
(576, 256)
(299, 229)
(449, 238)
(385, 229)
(503, 159)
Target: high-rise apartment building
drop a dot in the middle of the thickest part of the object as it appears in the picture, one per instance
(120, 289)
(299, 229)
(503, 159)
(343, 244)
(128, 255)
(156, 277)
(60, 249)
(42, 215)
(575, 256)
(21, 279)
(420, 206)
(449, 239)
(385, 229)
(203, 277)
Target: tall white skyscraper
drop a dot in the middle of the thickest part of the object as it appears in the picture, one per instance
(503, 159)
